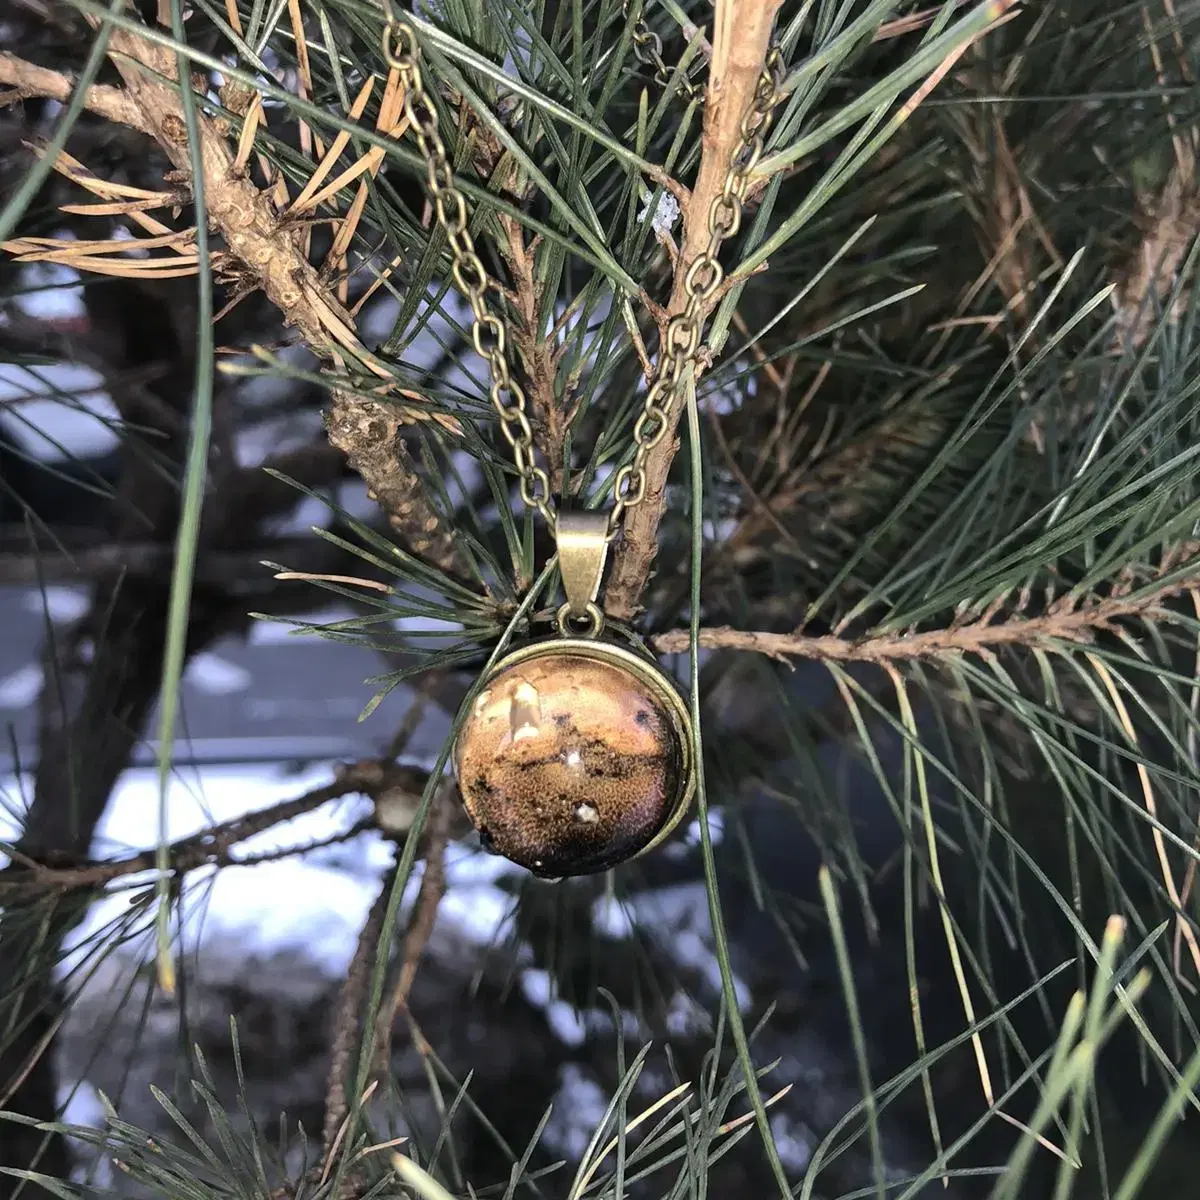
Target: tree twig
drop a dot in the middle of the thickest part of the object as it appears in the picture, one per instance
(1169, 220)
(368, 777)
(537, 353)
(1063, 623)
(29, 81)
(347, 1021)
(433, 886)
(739, 54)
(368, 433)
(346, 1024)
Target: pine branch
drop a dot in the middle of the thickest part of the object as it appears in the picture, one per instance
(29, 81)
(346, 1024)
(367, 432)
(1064, 622)
(395, 802)
(740, 44)
(369, 777)
(537, 353)
(1170, 220)
(425, 909)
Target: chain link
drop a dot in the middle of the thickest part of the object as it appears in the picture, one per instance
(648, 48)
(682, 338)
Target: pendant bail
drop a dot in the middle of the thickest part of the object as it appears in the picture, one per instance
(582, 539)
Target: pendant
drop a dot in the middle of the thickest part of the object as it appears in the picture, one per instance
(577, 753)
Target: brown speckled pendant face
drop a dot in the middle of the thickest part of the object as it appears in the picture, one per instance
(575, 756)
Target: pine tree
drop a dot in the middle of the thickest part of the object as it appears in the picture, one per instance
(919, 540)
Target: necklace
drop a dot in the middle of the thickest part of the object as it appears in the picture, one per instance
(577, 753)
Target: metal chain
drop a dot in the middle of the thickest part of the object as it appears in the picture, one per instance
(681, 342)
(648, 48)
(488, 331)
